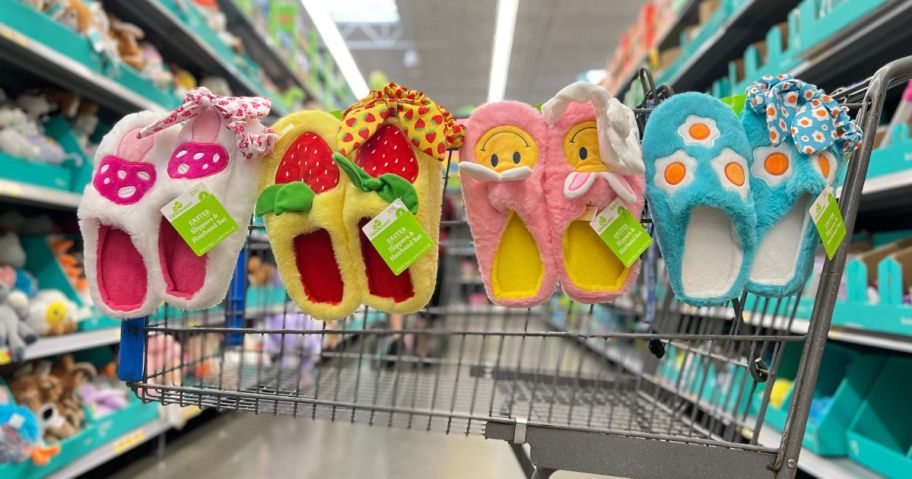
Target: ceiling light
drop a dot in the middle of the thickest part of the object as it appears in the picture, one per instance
(334, 42)
(363, 11)
(503, 46)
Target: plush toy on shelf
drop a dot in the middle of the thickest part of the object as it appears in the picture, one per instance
(184, 81)
(154, 68)
(260, 273)
(15, 334)
(104, 394)
(15, 133)
(20, 437)
(11, 251)
(216, 85)
(51, 313)
(36, 388)
(99, 35)
(72, 13)
(127, 37)
(70, 259)
(72, 377)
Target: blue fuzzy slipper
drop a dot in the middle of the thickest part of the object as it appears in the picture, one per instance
(799, 137)
(697, 165)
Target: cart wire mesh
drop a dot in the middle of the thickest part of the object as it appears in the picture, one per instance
(645, 367)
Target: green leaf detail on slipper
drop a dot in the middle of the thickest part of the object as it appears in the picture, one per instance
(388, 186)
(277, 199)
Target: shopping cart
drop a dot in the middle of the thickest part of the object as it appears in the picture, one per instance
(644, 387)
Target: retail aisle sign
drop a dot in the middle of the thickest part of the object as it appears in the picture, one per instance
(200, 219)
(397, 236)
(828, 220)
(621, 232)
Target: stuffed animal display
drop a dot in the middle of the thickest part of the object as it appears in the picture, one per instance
(49, 391)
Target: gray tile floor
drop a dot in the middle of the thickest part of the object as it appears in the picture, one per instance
(242, 445)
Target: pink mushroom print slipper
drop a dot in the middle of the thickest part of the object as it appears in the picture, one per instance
(594, 157)
(118, 216)
(220, 143)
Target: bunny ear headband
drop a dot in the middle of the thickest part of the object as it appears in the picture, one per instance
(616, 124)
(813, 119)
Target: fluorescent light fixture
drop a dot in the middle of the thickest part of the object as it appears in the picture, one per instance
(363, 11)
(331, 36)
(503, 46)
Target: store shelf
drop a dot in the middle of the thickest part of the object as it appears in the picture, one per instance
(261, 47)
(181, 45)
(669, 37)
(53, 345)
(112, 449)
(860, 49)
(38, 195)
(746, 25)
(67, 343)
(818, 466)
(44, 62)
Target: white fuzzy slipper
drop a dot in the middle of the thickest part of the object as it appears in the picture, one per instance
(221, 144)
(118, 217)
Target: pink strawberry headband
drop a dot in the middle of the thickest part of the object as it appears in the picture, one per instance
(236, 111)
(813, 119)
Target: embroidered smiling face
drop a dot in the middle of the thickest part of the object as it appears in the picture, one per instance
(581, 148)
(506, 147)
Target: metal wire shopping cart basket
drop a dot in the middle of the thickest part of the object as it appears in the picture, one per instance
(645, 387)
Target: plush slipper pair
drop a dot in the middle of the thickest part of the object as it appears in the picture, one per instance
(134, 258)
(532, 183)
(315, 203)
(730, 197)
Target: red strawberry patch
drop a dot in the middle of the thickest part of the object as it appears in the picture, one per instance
(370, 118)
(409, 114)
(430, 137)
(388, 151)
(437, 119)
(309, 159)
(420, 124)
(364, 133)
(347, 137)
(350, 122)
(423, 110)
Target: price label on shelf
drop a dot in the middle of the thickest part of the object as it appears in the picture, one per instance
(129, 441)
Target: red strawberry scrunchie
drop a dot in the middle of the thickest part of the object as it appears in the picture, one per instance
(427, 125)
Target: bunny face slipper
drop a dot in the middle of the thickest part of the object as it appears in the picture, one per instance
(393, 143)
(118, 217)
(799, 137)
(501, 167)
(220, 144)
(593, 158)
(301, 202)
(697, 164)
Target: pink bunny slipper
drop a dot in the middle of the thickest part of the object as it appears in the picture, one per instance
(220, 144)
(501, 167)
(118, 216)
(593, 157)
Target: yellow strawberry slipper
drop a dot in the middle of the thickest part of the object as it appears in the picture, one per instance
(395, 132)
(301, 200)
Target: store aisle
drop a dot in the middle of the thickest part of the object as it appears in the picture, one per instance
(247, 446)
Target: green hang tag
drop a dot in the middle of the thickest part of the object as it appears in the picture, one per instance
(200, 219)
(828, 220)
(736, 102)
(397, 236)
(621, 232)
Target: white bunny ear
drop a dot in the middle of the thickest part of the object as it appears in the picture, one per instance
(616, 124)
